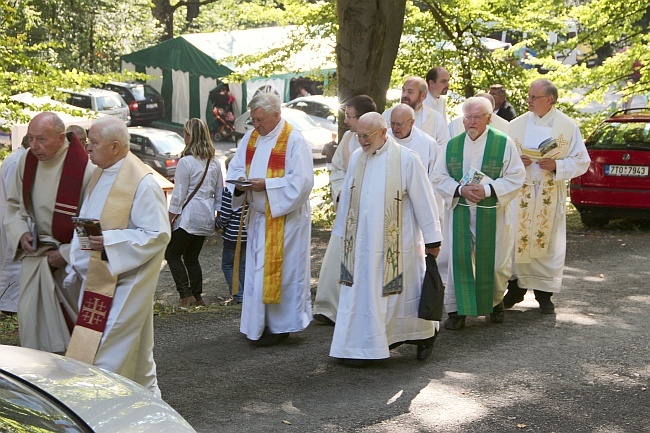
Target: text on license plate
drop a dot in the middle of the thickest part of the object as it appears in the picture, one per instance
(626, 170)
(154, 105)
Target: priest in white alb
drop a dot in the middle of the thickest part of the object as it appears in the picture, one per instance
(118, 269)
(388, 220)
(477, 224)
(277, 162)
(540, 239)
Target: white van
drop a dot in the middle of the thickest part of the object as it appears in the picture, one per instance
(100, 101)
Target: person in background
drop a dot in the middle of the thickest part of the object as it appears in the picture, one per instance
(438, 85)
(9, 270)
(79, 132)
(502, 107)
(49, 186)
(277, 161)
(228, 221)
(329, 149)
(198, 186)
(118, 269)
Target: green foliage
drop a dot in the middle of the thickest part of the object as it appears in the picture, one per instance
(322, 213)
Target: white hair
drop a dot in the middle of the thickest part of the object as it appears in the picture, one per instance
(267, 102)
(477, 100)
(112, 129)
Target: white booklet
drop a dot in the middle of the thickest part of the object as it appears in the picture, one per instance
(475, 176)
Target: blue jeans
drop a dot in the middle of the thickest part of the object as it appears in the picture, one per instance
(227, 266)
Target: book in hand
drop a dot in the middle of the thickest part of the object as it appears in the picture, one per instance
(237, 182)
(546, 149)
(475, 176)
(86, 227)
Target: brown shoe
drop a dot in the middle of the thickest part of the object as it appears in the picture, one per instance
(187, 302)
(200, 303)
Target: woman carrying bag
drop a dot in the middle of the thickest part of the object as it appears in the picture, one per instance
(196, 199)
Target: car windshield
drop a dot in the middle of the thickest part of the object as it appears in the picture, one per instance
(142, 92)
(172, 144)
(621, 135)
(299, 120)
(109, 102)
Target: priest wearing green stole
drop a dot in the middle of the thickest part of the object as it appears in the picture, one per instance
(540, 238)
(477, 224)
(388, 220)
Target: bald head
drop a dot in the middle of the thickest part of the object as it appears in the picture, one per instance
(488, 97)
(46, 134)
(402, 118)
(371, 131)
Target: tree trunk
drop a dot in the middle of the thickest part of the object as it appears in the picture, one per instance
(192, 12)
(366, 47)
(163, 11)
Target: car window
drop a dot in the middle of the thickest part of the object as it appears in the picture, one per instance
(109, 102)
(172, 144)
(623, 135)
(80, 101)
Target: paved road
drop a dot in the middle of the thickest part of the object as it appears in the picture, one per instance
(585, 369)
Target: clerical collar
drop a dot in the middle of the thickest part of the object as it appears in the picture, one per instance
(382, 149)
(545, 120)
(434, 96)
(405, 139)
(276, 131)
(115, 167)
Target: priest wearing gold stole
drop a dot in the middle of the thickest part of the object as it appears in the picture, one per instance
(119, 272)
(49, 185)
(477, 225)
(540, 238)
(277, 161)
(388, 220)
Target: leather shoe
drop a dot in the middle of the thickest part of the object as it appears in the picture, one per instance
(187, 302)
(498, 315)
(514, 295)
(546, 306)
(323, 319)
(269, 339)
(454, 322)
(357, 363)
(425, 349)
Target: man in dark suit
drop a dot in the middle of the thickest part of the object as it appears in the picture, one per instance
(503, 108)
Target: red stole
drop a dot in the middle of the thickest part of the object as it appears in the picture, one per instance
(69, 192)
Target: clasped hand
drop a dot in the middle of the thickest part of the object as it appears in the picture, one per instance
(473, 192)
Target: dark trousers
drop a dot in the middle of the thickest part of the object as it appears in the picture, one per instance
(182, 256)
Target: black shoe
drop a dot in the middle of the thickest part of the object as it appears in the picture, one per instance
(323, 319)
(425, 348)
(498, 315)
(270, 339)
(454, 322)
(515, 294)
(546, 306)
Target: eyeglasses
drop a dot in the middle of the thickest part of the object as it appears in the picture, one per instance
(367, 136)
(536, 97)
(397, 124)
(475, 117)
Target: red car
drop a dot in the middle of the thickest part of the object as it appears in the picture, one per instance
(617, 183)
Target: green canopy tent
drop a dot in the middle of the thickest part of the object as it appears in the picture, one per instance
(186, 76)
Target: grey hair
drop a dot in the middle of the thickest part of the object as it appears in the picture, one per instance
(404, 108)
(477, 100)
(267, 102)
(113, 129)
(549, 88)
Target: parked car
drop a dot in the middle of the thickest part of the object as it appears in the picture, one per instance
(321, 109)
(316, 135)
(145, 103)
(44, 392)
(617, 183)
(158, 148)
(99, 100)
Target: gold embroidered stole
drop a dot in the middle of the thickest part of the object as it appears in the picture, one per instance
(536, 210)
(100, 283)
(274, 232)
(393, 198)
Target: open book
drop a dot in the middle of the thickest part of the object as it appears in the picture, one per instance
(476, 176)
(86, 227)
(546, 149)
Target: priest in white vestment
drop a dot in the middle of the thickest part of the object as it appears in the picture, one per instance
(414, 91)
(456, 126)
(129, 252)
(328, 290)
(388, 220)
(277, 161)
(49, 186)
(478, 222)
(540, 238)
(437, 80)
(9, 270)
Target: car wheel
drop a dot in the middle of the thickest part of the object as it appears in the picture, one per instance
(593, 222)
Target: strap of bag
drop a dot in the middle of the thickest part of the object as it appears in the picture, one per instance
(197, 186)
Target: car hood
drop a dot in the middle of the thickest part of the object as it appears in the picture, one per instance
(317, 137)
(106, 401)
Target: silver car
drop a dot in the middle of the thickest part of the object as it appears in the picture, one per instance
(40, 391)
(322, 109)
(101, 101)
(315, 134)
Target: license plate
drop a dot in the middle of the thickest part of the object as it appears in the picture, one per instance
(626, 170)
(152, 106)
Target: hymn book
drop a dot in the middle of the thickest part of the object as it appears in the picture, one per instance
(475, 176)
(86, 227)
(546, 149)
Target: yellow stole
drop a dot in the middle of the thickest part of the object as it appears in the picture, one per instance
(274, 233)
(536, 212)
(100, 283)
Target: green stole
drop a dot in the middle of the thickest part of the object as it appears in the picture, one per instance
(474, 295)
